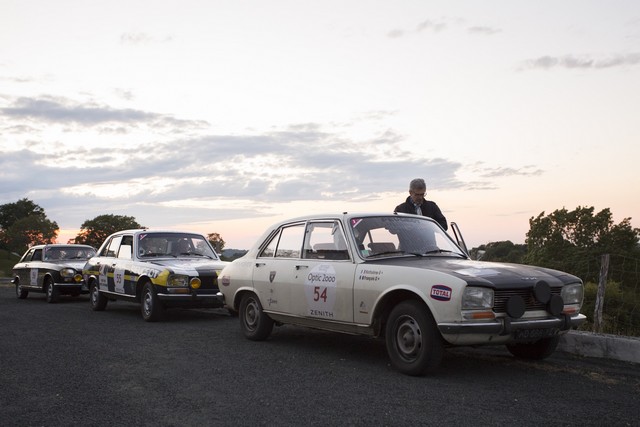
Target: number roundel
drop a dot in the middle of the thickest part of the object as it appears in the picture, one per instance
(320, 290)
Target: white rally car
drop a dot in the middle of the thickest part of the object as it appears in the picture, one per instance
(401, 277)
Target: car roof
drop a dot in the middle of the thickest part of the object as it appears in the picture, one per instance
(154, 231)
(346, 216)
(61, 245)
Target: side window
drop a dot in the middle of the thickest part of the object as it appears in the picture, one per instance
(325, 240)
(286, 243)
(37, 255)
(270, 250)
(126, 247)
(290, 242)
(112, 248)
(28, 256)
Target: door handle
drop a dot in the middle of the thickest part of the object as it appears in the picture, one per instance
(298, 267)
(259, 264)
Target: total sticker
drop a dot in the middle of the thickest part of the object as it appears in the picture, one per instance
(320, 290)
(34, 277)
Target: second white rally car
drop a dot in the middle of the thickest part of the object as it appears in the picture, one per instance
(401, 277)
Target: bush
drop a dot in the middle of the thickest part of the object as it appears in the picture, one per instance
(620, 312)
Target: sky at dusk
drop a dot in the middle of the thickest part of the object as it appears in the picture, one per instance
(228, 116)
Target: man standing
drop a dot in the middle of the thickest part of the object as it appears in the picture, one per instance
(416, 203)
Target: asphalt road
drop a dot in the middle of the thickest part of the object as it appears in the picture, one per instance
(62, 364)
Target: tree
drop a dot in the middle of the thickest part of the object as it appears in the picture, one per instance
(216, 241)
(504, 251)
(11, 212)
(573, 241)
(23, 224)
(94, 231)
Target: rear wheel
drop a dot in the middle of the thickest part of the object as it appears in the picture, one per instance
(21, 293)
(96, 299)
(414, 344)
(52, 292)
(255, 324)
(152, 308)
(538, 350)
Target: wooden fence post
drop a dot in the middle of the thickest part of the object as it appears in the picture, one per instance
(602, 282)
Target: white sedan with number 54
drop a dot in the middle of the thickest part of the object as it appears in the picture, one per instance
(401, 277)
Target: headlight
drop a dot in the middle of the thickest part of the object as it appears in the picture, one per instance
(474, 298)
(573, 294)
(67, 272)
(178, 281)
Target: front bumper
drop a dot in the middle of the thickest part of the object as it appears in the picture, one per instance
(503, 329)
(194, 299)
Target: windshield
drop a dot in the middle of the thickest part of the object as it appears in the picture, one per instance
(65, 253)
(397, 235)
(174, 245)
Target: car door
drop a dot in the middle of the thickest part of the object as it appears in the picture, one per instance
(123, 280)
(275, 268)
(324, 290)
(306, 271)
(23, 270)
(106, 264)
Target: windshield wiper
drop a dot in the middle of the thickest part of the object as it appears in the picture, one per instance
(385, 253)
(152, 254)
(443, 251)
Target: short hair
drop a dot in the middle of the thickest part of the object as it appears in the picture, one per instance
(417, 184)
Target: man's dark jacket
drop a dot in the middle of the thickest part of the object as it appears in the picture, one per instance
(428, 208)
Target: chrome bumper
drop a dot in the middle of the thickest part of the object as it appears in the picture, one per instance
(506, 325)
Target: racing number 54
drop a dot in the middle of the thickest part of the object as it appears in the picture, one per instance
(317, 295)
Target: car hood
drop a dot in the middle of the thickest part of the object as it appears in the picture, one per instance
(76, 264)
(488, 274)
(189, 263)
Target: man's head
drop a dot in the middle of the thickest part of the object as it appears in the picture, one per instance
(417, 190)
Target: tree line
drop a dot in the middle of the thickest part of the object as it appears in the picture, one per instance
(24, 224)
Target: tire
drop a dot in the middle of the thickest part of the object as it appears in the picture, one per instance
(21, 293)
(254, 323)
(414, 344)
(51, 291)
(538, 350)
(151, 307)
(97, 301)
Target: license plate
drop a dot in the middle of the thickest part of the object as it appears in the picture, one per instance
(534, 334)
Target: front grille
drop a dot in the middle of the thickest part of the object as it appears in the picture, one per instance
(209, 281)
(501, 296)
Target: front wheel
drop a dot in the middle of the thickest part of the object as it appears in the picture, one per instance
(538, 350)
(96, 299)
(52, 292)
(21, 293)
(414, 344)
(255, 324)
(152, 308)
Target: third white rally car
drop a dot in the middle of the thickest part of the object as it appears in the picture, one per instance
(401, 277)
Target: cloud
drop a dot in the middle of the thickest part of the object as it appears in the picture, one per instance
(426, 25)
(583, 62)
(64, 111)
(433, 26)
(206, 174)
(429, 25)
(507, 171)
